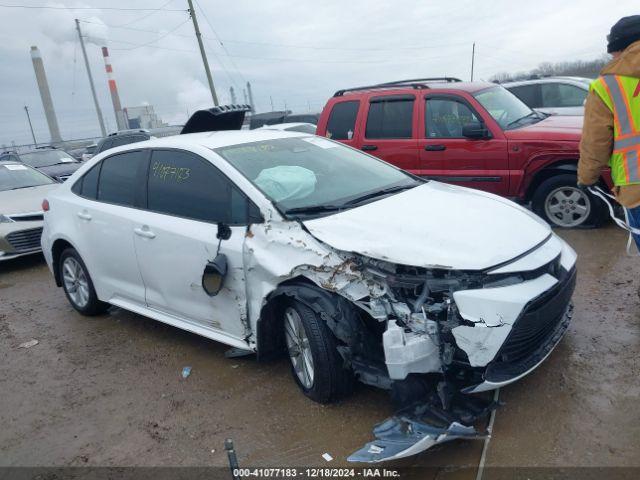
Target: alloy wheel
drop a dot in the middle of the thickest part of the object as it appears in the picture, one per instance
(75, 282)
(298, 347)
(567, 206)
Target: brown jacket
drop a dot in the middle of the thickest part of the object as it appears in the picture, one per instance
(597, 132)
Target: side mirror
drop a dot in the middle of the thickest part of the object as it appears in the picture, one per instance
(224, 232)
(475, 131)
(214, 275)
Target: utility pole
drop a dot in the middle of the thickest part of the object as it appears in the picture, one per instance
(93, 88)
(192, 12)
(473, 57)
(26, 109)
(253, 108)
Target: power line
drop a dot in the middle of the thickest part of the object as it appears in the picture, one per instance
(157, 38)
(147, 15)
(243, 80)
(122, 9)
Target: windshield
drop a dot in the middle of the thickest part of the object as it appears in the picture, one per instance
(46, 158)
(309, 175)
(506, 109)
(14, 176)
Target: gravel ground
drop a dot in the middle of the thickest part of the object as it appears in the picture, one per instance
(108, 391)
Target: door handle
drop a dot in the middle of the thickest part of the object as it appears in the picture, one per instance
(84, 215)
(144, 232)
(435, 148)
(368, 148)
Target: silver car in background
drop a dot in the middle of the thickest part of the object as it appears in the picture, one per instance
(22, 190)
(554, 95)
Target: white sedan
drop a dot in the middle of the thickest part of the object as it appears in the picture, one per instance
(277, 243)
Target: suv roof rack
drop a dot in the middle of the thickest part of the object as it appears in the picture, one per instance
(417, 83)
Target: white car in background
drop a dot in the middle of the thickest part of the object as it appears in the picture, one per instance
(301, 127)
(282, 243)
(553, 95)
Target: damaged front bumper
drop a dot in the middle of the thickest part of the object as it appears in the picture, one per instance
(478, 339)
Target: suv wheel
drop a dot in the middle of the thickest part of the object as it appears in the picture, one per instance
(562, 204)
(78, 286)
(316, 365)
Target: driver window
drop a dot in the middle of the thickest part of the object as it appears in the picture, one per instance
(445, 117)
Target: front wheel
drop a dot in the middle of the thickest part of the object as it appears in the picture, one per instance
(561, 203)
(316, 364)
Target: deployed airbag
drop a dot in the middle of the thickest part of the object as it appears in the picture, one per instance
(286, 182)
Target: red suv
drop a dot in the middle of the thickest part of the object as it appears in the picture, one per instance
(475, 134)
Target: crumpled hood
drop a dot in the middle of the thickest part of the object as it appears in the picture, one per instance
(24, 200)
(435, 225)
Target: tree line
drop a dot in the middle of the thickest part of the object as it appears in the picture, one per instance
(576, 68)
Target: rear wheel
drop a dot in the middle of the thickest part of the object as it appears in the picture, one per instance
(78, 286)
(316, 364)
(561, 203)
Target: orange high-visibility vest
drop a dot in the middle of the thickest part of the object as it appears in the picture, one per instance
(622, 95)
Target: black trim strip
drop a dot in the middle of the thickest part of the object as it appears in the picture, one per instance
(446, 178)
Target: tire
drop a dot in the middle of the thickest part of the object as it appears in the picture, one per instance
(329, 381)
(74, 273)
(561, 203)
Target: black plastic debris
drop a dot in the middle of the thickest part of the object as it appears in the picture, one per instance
(224, 117)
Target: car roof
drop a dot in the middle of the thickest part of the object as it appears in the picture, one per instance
(211, 140)
(282, 126)
(470, 87)
(578, 81)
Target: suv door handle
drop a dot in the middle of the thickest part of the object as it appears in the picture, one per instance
(435, 148)
(144, 232)
(368, 148)
(84, 215)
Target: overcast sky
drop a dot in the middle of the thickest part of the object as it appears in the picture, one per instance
(293, 52)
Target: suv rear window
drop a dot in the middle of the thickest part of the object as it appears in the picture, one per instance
(390, 117)
(342, 120)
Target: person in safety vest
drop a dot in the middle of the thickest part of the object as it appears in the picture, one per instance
(611, 131)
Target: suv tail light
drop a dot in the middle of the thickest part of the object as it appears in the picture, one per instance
(45, 205)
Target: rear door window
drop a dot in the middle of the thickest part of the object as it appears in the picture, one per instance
(529, 94)
(118, 177)
(562, 95)
(185, 185)
(87, 186)
(342, 120)
(390, 117)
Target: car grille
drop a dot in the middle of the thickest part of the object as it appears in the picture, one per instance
(25, 240)
(535, 333)
(538, 321)
(27, 217)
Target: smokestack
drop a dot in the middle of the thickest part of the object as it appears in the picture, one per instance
(233, 95)
(45, 95)
(113, 89)
(253, 110)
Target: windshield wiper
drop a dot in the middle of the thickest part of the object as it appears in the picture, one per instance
(533, 112)
(314, 209)
(379, 193)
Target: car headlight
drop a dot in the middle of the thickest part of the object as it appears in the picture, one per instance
(5, 219)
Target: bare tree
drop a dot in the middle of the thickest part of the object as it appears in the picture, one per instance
(576, 68)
